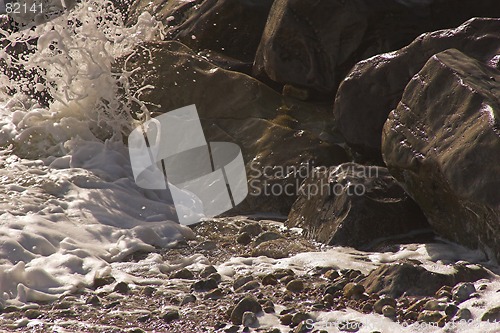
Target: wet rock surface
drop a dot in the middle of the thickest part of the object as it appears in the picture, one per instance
(354, 205)
(442, 144)
(382, 79)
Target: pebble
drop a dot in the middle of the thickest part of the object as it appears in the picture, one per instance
(215, 294)
(216, 276)
(492, 315)
(248, 303)
(248, 319)
(244, 238)
(184, 274)
(295, 286)
(302, 327)
(253, 229)
(267, 236)
(102, 281)
(121, 287)
(429, 316)
(389, 311)
(299, 317)
(190, 298)
(383, 302)
(93, 300)
(353, 289)
(286, 319)
(435, 305)
(207, 271)
(463, 291)
(171, 316)
(148, 291)
(451, 310)
(269, 280)
(241, 281)
(204, 285)
(331, 274)
(32, 313)
(207, 246)
(251, 285)
(463, 314)
(282, 272)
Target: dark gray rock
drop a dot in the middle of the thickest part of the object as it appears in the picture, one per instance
(247, 304)
(375, 86)
(492, 315)
(354, 205)
(442, 144)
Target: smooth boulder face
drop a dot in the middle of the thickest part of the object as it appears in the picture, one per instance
(274, 133)
(354, 205)
(442, 142)
(305, 41)
(374, 86)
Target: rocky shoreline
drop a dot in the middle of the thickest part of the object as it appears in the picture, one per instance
(202, 295)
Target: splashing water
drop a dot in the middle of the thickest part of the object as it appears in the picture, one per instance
(68, 204)
(62, 82)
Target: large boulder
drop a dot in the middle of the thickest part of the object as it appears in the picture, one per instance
(375, 86)
(442, 142)
(226, 30)
(314, 43)
(354, 205)
(275, 134)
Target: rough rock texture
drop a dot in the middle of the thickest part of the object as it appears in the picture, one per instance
(353, 205)
(374, 86)
(407, 278)
(227, 32)
(236, 108)
(314, 43)
(443, 142)
(305, 41)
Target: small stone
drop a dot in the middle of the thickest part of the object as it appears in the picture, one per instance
(331, 274)
(435, 305)
(282, 272)
(121, 287)
(295, 286)
(204, 285)
(389, 311)
(286, 319)
(251, 285)
(410, 316)
(216, 276)
(190, 298)
(249, 319)
(268, 309)
(248, 303)
(269, 280)
(267, 236)
(418, 305)
(215, 294)
(328, 299)
(135, 330)
(492, 315)
(287, 279)
(207, 271)
(170, 316)
(144, 318)
(241, 281)
(353, 289)
(232, 329)
(59, 306)
(253, 229)
(299, 317)
(303, 327)
(244, 238)
(93, 300)
(184, 273)
(148, 291)
(383, 302)
(463, 314)
(451, 310)
(429, 316)
(274, 330)
(32, 313)
(463, 291)
(206, 246)
(350, 326)
(102, 281)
